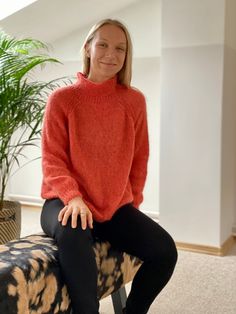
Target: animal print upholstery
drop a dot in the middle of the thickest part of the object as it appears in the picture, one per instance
(30, 280)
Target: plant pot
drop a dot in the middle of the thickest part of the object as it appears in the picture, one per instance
(10, 221)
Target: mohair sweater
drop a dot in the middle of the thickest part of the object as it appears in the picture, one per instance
(95, 145)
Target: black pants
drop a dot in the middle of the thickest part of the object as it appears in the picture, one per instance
(129, 230)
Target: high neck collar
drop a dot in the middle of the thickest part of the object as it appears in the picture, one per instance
(104, 88)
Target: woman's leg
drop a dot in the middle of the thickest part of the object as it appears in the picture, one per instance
(132, 231)
(76, 258)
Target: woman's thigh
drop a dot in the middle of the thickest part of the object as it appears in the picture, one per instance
(132, 231)
(63, 234)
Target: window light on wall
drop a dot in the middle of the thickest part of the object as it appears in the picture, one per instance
(8, 7)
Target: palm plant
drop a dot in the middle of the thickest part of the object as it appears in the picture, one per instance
(22, 100)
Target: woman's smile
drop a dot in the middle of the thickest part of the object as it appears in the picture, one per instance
(107, 53)
(108, 63)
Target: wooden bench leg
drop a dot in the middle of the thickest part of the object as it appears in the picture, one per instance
(119, 298)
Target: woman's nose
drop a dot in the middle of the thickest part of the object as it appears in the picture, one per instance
(110, 52)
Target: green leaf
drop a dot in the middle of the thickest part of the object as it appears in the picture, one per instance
(22, 99)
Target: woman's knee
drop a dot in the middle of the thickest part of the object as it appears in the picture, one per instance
(165, 251)
(69, 237)
(170, 252)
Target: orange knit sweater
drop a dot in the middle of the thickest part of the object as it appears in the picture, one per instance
(95, 145)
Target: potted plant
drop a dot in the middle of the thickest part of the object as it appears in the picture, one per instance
(22, 102)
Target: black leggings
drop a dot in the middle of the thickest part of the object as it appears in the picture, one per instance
(130, 231)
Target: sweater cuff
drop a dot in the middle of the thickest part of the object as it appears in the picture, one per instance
(66, 197)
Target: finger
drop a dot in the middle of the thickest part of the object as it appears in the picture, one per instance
(90, 220)
(61, 213)
(66, 216)
(83, 217)
(74, 217)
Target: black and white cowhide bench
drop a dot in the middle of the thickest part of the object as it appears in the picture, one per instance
(30, 280)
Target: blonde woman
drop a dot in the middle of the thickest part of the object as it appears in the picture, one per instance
(95, 153)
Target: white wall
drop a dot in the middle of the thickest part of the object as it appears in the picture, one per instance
(230, 24)
(228, 193)
(141, 18)
(147, 78)
(192, 23)
(191, 117)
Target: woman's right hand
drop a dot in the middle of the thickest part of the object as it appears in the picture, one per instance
(76, 207)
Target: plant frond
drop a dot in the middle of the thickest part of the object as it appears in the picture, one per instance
(22, 99)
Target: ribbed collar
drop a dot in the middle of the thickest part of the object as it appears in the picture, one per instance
(97, 89)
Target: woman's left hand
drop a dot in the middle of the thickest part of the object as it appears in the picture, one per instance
(76, 207)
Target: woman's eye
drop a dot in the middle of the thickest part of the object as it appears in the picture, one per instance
(120, 49)
(102, 45)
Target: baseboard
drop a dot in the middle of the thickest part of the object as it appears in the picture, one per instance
(31, 206)
(25, 200)
(152, 214)
(212, 250)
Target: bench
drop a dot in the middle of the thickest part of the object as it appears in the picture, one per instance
(31, 283)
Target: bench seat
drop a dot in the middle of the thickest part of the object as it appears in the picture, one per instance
(30, 279)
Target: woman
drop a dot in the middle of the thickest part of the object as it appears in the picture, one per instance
(95, 154)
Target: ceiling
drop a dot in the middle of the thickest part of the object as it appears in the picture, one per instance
(51, 20)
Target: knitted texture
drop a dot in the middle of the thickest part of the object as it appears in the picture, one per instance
(95, 145)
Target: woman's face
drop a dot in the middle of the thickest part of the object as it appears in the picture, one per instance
(107, 52)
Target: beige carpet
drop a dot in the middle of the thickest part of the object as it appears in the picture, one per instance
(201, 284)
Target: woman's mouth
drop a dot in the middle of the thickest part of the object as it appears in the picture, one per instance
(108, 64)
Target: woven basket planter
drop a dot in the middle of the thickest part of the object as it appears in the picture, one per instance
(10, 221)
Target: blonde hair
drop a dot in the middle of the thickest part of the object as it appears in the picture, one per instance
(125, 74)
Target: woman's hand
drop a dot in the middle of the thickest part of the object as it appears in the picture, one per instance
(75, 208)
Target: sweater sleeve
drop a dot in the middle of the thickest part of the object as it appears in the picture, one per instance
(138, 171)
(55, 149)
